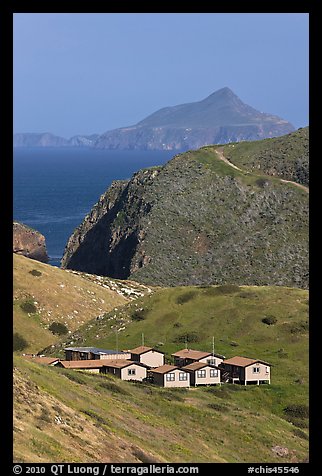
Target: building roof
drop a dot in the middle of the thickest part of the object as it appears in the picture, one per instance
(198, 365)
(94, 350)
(121, 363)
(142, 349)
(82, 364)
(164, 369)
(243, 361)
(192, 354)
(42, 360)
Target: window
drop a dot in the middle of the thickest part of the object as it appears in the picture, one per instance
(170, 377)
(211, 361)
(183, 376)
(256, 370)
(131, 371)
(201, 373)
(213, 373)
(267, 369)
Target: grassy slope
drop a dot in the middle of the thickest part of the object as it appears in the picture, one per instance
(107, 421)
(286, 156)
(234, 319)
(59, 296)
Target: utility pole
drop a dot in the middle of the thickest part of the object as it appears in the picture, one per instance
(117, 340)
(213, 346)
(142, 339)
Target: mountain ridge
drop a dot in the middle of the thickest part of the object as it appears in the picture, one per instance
(221, 117)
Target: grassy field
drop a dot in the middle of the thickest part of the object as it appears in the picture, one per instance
(44, 294)
(68, 416)
(108, 420)
(233, 315)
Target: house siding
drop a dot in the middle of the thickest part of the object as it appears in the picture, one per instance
(140, 373)
(161, 379)
(151, 358)
(125, 356)
(207, 380)
(261, 375)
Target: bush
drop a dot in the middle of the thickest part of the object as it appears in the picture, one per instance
(113, 387)
(177, 324)
(187, 337)
(58, 328)
(185, 297)
(297, 411)
(139, 315)
(35, 272)
(218, 407)
(269, 320)
(262, 182)
(28, 307)
(300, 434)
(19, 343)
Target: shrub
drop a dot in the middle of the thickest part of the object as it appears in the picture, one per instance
(95, 416)
(269, 320)
(262, 182)
(139, 315)
(74, 376)
(187, 337)
(58, 328)
(35, 272)
(185, 297)
(19, 343)
(177, 324)
(112, 387)
(218, 407)
(300, 434)
(297, 410)
(28, 307)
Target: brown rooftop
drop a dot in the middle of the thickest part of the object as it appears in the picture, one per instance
(243, 361)
(120, 363)
(163, 369)
(142, 349)
(42, 360)
(198, 365)
(83, 364)
(191, 354)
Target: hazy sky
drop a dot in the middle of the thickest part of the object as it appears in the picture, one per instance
(82, 73)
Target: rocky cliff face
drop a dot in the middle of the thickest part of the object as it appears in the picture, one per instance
(196, 220)
(29, 242)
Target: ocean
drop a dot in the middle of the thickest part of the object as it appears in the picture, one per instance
(54, 188)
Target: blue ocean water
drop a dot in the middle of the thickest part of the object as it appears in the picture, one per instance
(54, 188)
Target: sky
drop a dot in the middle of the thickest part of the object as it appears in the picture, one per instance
(84, 73)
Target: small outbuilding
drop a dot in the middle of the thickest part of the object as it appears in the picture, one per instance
(148, 356)
(125, 369)
(93, 353)
(41, 359)
(244, 370)
(203, 374)
(170, 376)
(93, 366)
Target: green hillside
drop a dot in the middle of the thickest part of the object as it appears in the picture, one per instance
(76, 417)
(286, 157)
(233, 315)
(199, 220)
(44, 295)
